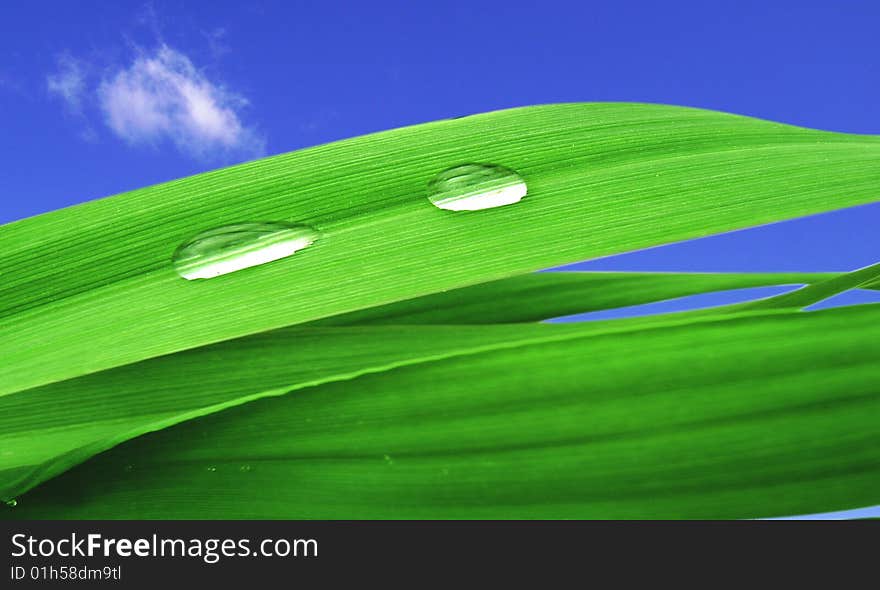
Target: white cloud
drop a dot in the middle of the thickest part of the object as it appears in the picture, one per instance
(163, 96)
(68, 82)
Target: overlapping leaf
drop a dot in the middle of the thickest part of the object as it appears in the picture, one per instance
(769, 415)
(91, 287)
(48, 429)
(93, 320)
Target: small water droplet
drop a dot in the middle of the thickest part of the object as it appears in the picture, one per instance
(129, 468)
(12, 503)
(245, 468)
(212, 468)
(471, 187)
(235, 247)
(388, 459)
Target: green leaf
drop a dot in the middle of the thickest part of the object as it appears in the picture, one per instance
(771, 414)
(92, 287)
(540, 296)
(818, 291)
(101, 341)
(49, 429)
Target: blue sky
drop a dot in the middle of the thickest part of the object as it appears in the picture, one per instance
(96, 97)
(285, 75)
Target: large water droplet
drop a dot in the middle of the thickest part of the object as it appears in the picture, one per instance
(471, 187)
(234, 247)
(12, 503)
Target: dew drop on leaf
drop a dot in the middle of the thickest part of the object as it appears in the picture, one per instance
(12, 503)
(471, 187)
(245, 468)
(212, 468)
(231, 248)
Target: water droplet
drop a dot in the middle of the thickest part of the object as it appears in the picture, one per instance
(471, 187)
(388, 459)
(129, 468)
(12, 503)
(245, 468)
(234, 247)
(212, 468)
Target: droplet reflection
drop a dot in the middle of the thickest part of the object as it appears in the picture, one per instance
(471, 187)
(231, 248)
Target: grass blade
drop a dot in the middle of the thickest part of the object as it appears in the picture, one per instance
(540, 296)
(92, 287)
(818, 291)
(776, 414)
(75, 419)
